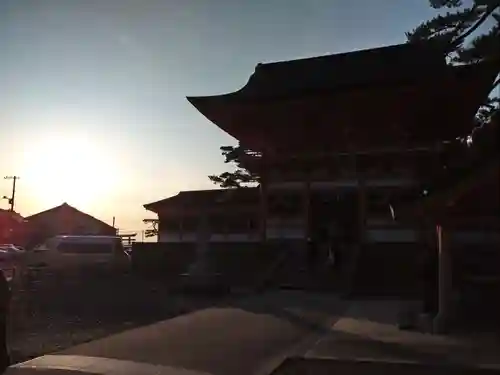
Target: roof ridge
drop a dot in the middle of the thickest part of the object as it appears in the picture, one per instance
(46, 210)
(65, 204)
(428, 44)
(88, 215)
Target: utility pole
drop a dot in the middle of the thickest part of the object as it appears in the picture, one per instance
(12, 199)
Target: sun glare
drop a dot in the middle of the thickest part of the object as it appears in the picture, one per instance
(69, 169)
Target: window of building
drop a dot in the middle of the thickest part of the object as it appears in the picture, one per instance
(238, 224)
(218, 223)
(170, 225)
(285, 204)
(190, 224)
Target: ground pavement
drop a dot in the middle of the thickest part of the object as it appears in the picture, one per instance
(252, 336)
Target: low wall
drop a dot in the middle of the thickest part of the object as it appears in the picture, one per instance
(245, 264)
(162, 260)
(240, 264)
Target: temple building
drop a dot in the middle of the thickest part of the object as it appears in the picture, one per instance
(338, 139)
(342, 142)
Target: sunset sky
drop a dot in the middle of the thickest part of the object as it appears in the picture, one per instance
(92, 92)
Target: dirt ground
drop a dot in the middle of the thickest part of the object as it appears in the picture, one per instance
(52, 312)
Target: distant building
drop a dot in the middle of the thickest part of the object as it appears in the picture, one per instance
(65, 219)
(231, 215)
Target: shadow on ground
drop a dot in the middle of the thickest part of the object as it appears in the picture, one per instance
(50, 314)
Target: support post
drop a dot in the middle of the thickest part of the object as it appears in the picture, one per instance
(444, 281)
(264, 197)
(306, 210)
(362, 200)
(224, 220)
(201, 275)
(351, 271)
(362, 208)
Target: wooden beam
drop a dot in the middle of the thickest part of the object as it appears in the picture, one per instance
(314, 155)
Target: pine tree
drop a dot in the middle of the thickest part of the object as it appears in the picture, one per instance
(471, 34)
(241, 176)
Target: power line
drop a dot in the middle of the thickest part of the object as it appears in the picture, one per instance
(12, 198)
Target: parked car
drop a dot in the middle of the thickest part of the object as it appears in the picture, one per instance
(11, 248)
(73, 252)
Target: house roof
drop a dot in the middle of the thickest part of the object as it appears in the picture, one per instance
(65, 206)
(205, 198)
(13, 215)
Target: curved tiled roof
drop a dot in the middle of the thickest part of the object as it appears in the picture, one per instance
(376, 66)
(354, 100)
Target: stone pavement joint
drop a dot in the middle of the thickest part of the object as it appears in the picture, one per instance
(369, 330)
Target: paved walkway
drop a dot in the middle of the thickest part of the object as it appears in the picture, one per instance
(254, 335)
(368, 330)
(251, 337)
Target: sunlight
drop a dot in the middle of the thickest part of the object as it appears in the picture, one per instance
(69, 169)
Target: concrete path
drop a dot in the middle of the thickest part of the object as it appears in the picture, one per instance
(368, 330)
(254, 335)
(249, 337)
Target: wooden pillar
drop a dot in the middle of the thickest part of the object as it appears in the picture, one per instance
(264, 197)
(362, 207)
(306, 209)
(203, 231)
(444, 281)
(355, 250)
(200, 266)
(225, 226)
(362, 200)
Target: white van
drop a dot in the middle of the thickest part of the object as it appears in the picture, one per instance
(68, 251)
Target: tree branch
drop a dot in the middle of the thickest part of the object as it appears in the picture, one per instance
(495, 84)
(436, 4)
(474, 27)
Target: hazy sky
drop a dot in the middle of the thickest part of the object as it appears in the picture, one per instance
(92, 92)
